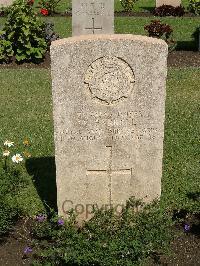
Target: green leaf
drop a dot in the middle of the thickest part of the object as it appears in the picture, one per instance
(20, 57)
(26, 32)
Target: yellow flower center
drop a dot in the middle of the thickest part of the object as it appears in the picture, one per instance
(26, 142)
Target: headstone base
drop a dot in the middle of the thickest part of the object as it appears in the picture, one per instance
(174, 3)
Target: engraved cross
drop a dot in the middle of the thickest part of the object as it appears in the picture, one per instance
(109, 171)
(93, 28)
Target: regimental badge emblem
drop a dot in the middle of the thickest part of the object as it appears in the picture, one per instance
(110, 80)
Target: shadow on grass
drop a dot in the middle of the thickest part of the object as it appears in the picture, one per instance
(43, 171)
(195, 196)
(148, 9)
(187, 45)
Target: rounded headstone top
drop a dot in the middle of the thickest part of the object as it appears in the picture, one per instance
(110, 37)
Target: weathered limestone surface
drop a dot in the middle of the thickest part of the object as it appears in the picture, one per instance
(92, 17)
(109, 111)
(5, 2)
(174, 3)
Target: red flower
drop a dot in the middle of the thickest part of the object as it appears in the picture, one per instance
(44, 12)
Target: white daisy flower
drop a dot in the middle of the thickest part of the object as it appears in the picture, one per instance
(6, 153)
(17, 158)
(8, 143)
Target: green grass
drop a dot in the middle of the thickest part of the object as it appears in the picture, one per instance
(26, 111)
(183, 28)
(144, 5)
(141, 5)
(182, 127)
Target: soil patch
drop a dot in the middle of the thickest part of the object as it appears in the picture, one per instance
(118, 14)
(12, 246)
(13, 65)
(185, 248)
(184, 59)
(146, 14)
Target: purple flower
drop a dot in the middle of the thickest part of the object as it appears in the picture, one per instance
(186, 227)
(27, 250)
(61, 222)
(41, 218)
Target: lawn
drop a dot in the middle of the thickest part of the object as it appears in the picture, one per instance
(183, 28)
(144, 5)
(141, 5)
(26, 112)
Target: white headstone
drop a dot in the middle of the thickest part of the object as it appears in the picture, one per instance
(109, 110)
(92, 17)
(5, 2)
(174, 3)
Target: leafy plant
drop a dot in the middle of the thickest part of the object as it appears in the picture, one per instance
(6, 51)
(25, 32)
(107, 239)
(48, 7)
(128, 4)
(194, 6)
(50, 35)
(4, 10)
(168, 10)
(157, 29)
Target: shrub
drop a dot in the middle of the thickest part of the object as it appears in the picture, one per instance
(128, 4)
(194, 6)
(167, 10)
(48, 7)
(107, 239)
(50, 35)
(4, 10)
(157, 29)
(24, 32)
(6, 51)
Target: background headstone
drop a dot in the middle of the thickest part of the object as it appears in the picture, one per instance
(174, 3)
(109, 109)
(5, 2)
(92, 17)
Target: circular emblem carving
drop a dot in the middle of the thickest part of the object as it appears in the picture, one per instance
(110, 79)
